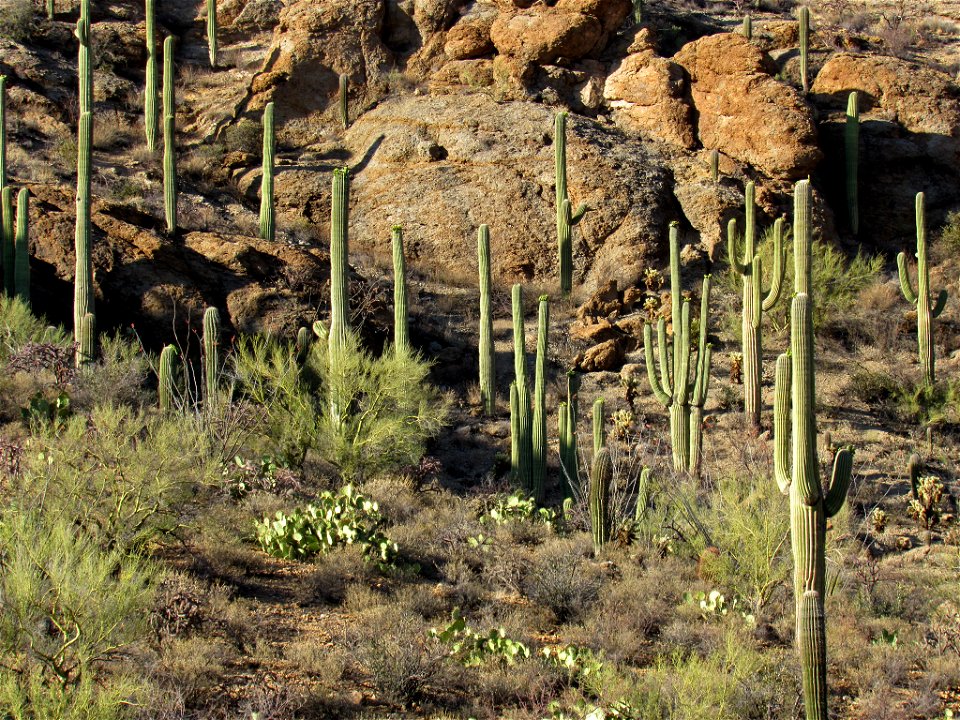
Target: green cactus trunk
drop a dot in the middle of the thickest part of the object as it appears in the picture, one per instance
(569, 457)
(302, 345)
(22, 247)
(212, 32)
(169, 139)
(804, 19)
(852, 147)
(715, 165)
(599, 432)
(150, 85)
(83, 272)
(921, 297)
(345, 100)
(211, 356)
(401, 334)
(747, 27)
(339, 261)
(51, 8)
(914, 465)
(87, 345)
(84, 68)
(524, 425)
(8, 237)
(267, 226)
(566, 217)
(601, 475)
(166, 383)
(488, 395)
(538, 441)
(810, 503)
(3, 131)
(519, 335)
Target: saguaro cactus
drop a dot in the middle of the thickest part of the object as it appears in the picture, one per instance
(211, 355)
(8, 238)
(852, 147)
(566, 217)
(538, 435)
(87, 345)
(169, 139)
(84, 68)
(212, 31)
(524, 438)
(599, 432)
(165, 386)
(755, 301)
(267, 227)
(401, 334)
(3, 131)
(921, 297)
(488, 396)
(150, 84)
(21, 280)
(601, 474)
(83, 272)
(811, 504)
(804, 18)
(747, 27)
(345, 100)
(567, 421)
(339, 256)
(676, 389)
(715, 165)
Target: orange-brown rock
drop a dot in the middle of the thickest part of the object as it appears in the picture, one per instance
(606, 356)
(594, 332)
(543, 35)
(744, 112)
(470, 36)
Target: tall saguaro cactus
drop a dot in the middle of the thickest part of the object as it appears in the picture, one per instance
(150, 84)
(21, 253)
(755, 301)
(267, 227)
(401, 333)
(804, 18)
(567, 421)
(601, 475)
(811, 504)
(676, 389)
(3, 131)
(169, 138)
(84, 68)
(83, 272)
(852, 148)
(538, 435)
(211, 356)
(524, 451)
(567, 218)
(7, 237)
(339, 265)
(921, 296)
(212, 32)
(87, 343)
(488, 394)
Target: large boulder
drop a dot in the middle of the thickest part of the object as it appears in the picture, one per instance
(470, 36)
(744, 112)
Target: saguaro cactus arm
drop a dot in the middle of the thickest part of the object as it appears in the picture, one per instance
(904, 274)
(779, 267)
(781, 423)
(655, 385)
(839, 482)
(940, 304)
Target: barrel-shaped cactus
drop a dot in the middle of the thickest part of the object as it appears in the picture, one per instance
(601, 476)
(488, 396)
(87, 343)
(804, 19)
(755, 300)
(401, 332)
(8, 237)
(852, 148)
(921, 296)
(169, 139)
(150, 84)
(166, 383)
(21, 252)
(538, 433)
(811, 503)
(345, 100)
(212, 32)
(267, 225)
(83, 271)
(683, 392)
(567, 218)
(211, 356)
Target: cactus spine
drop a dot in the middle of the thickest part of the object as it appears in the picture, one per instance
(566, 217)
(150, 85)
(921, 296)
(212, 31)
(211, 355)
(267, 227)
(344, 100)
(87, 344)
(169, 140)
(811, 504)
(165, 386)
(599, 432)
(339, 267)
(401, 334)
(83, 272)
(538, 441)
(8, 238)
(804, 17)
(524, 449)
(601, 474)
(488, 395)
(685, 396)
(852, 147)
(751, 270)
(22, 247)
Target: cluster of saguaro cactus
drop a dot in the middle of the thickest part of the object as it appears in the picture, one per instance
(212, 31)
(150, 84)
(488, 395)
(804, 19)
(169, 139)
(755, 301)
(567, 426)
(852, 147)
(601, 475)
(567, 218)
(538, 433)
(345, 100)
(676, 389)
(211, 355)
(83, 272)
(267, 226)
(811, 503)
(921, 296)
(166, 385)
(401, 333)
(520, 411)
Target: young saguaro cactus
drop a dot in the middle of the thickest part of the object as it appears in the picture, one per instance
(852, 148)
(567, 421)
(401, 333)
(488, 396)
(676, 389)
(166, 382)
(567, 218)
(267, 226)
(601, 475)
(150, 84)
(212, 32)
(339, 265)
(747, 27)
(538, 435)
(21, 273)
(755, 301)
(524, 427)
(921, 296)
(715, 165)
(804, 19)
(169, 139)
(811, 503)
(211, 355)
(83, 272)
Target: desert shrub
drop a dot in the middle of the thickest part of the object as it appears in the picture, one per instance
(244, 136)
(873, 388)
(68, 608)
(16, 19)
(118, 378)
(192, 666)
(950, 235)
(562, 579)
(19, 326)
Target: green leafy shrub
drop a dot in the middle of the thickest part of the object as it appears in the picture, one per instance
(16, 19)
(344, 518)
(245, 136)
(19, 326)
(471, 648)
(516, 507)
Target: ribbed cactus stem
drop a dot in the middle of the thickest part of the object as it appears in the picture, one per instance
(601, 475)
(921, 296)
(211, 355)
(401, 335)
(519, 334)
(747, 27)
(804, 18)
(169, 139)
(914, 466)
(51, 8)
(599, 431)
(715, 165)
(87, 344)
(538, 435)
(3, 131)
(566, 216)
(515, 441)
(21, 280)
(569, 457)
(852, 147)
(8, 238)
(84, 68)
(525, 436)
(83, 272)
(345, 100)
(212, 31)
(150, 84)
(339, 261)
(166, 382)
(488, 396)
(267, 226)
(302, 346)
(643, 496)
